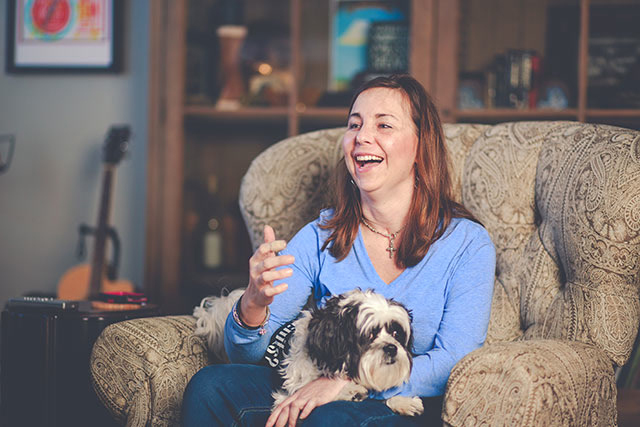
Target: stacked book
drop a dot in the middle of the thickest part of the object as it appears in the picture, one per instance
(513, 80)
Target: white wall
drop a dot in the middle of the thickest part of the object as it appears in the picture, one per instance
(53, 184)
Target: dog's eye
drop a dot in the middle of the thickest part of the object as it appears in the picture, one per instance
(396, 331)
(374, 333)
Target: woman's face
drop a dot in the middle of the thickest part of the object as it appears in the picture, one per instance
(381, 141)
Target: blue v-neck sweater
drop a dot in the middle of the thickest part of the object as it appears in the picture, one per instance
(449, 294)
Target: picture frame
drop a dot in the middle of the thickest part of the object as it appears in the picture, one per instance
(351, 22)
(67, 36)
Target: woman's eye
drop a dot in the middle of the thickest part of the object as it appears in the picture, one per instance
(385, 126)
(354, 126)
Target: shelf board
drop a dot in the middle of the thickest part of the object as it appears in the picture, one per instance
(330, 114)
(244, 113)
(511, 113)
(613, 113)
(333, 114)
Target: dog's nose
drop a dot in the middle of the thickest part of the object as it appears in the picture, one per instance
(390, 350)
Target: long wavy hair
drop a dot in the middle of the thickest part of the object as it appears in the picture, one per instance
(432, 206)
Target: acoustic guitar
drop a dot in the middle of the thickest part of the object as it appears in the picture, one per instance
(87, 281)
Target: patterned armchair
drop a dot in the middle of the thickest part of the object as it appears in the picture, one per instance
(561, 201)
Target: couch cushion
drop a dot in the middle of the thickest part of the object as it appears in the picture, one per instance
(499, 188)
(287, 184)
(460, 138)
(588, 192)
(561, 201)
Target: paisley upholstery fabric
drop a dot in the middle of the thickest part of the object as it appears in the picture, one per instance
(460, 139)
(561, 201)
(141, 367)
(532, 383)
(286, 185)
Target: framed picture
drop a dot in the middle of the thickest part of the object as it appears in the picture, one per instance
(351, 24)
(64, 36)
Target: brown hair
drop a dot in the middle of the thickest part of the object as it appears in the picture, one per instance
(432, 207)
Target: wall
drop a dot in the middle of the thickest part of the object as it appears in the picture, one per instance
(53, 184)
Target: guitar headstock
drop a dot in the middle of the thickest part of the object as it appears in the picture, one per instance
(116, 144)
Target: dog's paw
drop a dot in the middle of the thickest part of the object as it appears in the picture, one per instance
(410, 406)
(353, 392)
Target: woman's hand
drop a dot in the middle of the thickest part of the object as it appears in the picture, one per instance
(262, 274)
(302, 402)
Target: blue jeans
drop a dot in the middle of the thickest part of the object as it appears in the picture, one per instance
(240, 395)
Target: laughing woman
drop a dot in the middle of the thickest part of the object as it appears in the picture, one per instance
(393, 227)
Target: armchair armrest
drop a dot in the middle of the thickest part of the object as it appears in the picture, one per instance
(526, 383)
(140, 368)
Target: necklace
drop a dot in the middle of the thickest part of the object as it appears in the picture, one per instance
(391, 236)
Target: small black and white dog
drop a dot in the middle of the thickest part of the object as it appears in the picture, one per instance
(359, 335)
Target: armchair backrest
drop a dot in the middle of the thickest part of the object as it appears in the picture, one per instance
(288, 183)
(561, 201)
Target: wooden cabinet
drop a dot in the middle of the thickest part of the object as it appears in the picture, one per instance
(199, 151)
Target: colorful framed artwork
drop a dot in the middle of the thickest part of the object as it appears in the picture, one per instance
(64, 35)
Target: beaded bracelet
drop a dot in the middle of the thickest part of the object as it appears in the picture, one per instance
(236, 317)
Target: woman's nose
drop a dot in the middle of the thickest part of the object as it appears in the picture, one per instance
(364, 135)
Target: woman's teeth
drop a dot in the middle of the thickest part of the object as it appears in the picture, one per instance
(364, 159)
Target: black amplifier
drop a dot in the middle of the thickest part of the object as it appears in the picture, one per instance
(45, 378)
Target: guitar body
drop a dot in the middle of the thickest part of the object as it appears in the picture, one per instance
(74, 284)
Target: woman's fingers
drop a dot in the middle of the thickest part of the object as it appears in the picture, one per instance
(280, 415)
(269, 276)
(277, 261)
(294, 411)
(295, 407)
(265, 272)
(274, 417)
(272, 291)
(310, 406)
(257, 267)
(269, 234)
(266, 250)
(264, 269)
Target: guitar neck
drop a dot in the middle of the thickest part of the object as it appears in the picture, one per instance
(100, 238)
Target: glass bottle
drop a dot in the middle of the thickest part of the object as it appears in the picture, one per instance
(212, 239)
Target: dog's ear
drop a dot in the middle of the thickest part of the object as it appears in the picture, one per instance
(333, 339)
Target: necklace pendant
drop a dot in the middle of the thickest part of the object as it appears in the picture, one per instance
(391, 249)
(391, 236)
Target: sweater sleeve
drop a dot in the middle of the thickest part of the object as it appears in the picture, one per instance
(463, 327)
(248, 345)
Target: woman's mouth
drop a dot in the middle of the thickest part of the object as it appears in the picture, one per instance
(367, 160)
